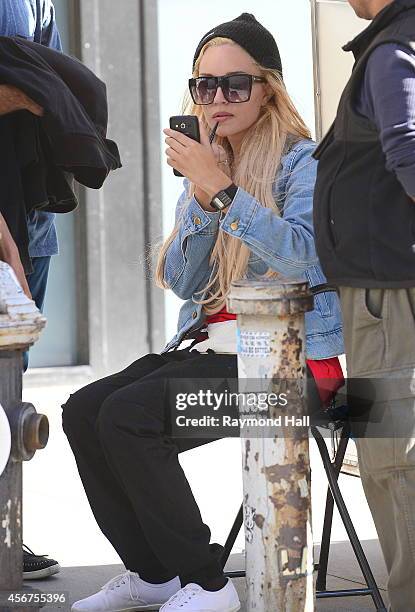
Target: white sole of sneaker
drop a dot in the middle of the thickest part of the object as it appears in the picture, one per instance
(42, 573)
(234, 609)
(133, 609)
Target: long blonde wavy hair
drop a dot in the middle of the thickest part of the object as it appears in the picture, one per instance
(278, 125)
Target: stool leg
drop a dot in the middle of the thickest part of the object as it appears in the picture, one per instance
(321, 582)
(351, 532)
(233, 534)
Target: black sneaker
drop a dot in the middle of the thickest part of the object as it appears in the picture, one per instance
(37, 566)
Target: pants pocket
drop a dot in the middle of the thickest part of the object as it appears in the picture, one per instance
(401, 328)
(373, 302)
(364, 317)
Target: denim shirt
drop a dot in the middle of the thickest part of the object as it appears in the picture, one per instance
(19, 18)
(284, 243)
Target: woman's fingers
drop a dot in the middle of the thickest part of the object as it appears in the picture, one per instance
(173, 164)
(178, 140)
(204, 136)
(178, 137)
(193, 159)
(219, 152)
(222, 160)
(175, 145)
(171, 154)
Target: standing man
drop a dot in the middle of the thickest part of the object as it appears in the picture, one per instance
(34, 20)
(364, 219)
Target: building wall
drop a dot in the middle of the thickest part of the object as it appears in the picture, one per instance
(334, 23)
(119, 311)
(58, 345)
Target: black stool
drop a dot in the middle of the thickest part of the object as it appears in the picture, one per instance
(332, 469)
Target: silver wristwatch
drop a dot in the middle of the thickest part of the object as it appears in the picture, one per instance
(224, 198)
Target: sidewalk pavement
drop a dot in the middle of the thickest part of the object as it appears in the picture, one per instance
(79, 582)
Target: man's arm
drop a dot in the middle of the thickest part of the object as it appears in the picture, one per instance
(10, 254)
(392, 108)
(13, 99)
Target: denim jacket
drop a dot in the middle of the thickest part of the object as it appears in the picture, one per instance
(284, 243)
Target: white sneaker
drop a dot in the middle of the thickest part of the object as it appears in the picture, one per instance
(193, 598)
(127, 592)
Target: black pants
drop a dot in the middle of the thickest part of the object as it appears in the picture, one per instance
(129, 467)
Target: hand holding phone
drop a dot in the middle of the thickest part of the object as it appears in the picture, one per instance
(188, 125)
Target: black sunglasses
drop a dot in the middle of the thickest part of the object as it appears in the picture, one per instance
(235, 87)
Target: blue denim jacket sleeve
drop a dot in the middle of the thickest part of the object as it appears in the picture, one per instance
(186, 266)
(19, 18)
(286, 242)
(50, 32)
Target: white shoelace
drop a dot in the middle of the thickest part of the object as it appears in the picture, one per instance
(122, 579)
(184, 595)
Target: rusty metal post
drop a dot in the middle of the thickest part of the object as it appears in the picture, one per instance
(276, 469)
(20, 326)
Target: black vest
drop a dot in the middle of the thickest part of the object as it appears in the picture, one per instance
(364, 222)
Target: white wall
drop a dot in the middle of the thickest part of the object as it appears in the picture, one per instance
(337, 23)
(182, 24)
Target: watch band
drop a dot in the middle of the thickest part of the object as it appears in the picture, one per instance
(231, 190)
(224, 198)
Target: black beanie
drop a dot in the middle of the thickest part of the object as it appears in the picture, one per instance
(247, 32)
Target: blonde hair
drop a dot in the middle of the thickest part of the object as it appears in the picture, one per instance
(258, 162)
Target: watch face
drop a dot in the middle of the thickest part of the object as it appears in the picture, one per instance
(221, 200)
(218, 204)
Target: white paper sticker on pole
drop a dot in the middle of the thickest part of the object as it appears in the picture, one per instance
(253, 343)
(5, 440)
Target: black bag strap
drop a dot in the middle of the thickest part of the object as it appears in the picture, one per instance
(322, 288)
(38, 30)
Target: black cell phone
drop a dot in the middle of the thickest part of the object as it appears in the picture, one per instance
(188, 125)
